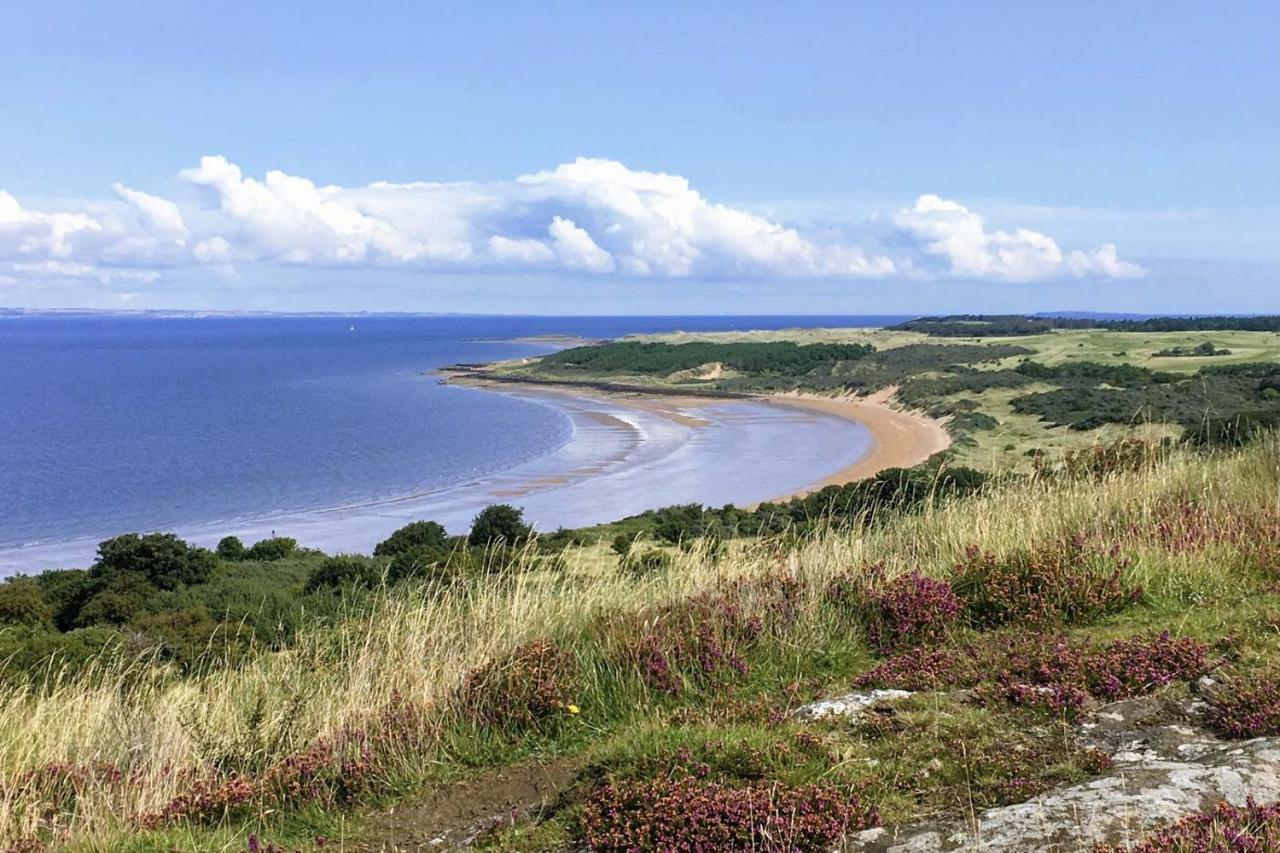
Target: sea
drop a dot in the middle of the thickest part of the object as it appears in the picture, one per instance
(334, 430)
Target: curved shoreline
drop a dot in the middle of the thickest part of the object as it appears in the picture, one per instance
(899, 438)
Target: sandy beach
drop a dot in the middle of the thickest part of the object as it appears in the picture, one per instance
(899, 438)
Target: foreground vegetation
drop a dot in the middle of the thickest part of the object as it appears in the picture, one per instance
(664, 693)
(172, 697)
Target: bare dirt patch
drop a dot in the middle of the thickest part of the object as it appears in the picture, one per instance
(451, 817)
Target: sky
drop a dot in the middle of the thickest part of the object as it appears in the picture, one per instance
(649, 158)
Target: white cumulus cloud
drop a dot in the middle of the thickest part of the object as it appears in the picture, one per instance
(589, 217)
(31, 232)
(161, 215)
(950, 231)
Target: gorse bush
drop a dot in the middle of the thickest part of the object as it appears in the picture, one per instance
(162, 559)
(778, 357)
(345, 571)
(22, 604)
(645, 562)
(231, 548)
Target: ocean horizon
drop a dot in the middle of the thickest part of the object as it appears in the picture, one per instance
(331, 429)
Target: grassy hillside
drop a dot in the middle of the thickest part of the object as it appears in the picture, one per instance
(643, 695)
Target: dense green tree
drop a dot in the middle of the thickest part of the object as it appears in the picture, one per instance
(500, 523)
(231, 549)
(417, 534)
(118, 600)
(344, 570)
(21, 603)
(162, 558)
(274, 548)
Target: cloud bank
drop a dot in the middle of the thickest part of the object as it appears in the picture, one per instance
(591, 217)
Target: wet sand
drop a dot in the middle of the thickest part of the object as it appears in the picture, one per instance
(899, 438)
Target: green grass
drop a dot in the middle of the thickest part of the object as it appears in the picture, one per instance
(937, 756)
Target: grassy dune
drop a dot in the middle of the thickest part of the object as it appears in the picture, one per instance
(429, 684)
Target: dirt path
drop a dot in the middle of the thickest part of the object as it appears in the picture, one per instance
(451, 817)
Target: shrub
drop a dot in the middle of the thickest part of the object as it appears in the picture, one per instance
(33, 651)
(415, 535)
(22, 604)
(117, 600)
(344, 570)
(910, 610)
(274, 548)
(419, 561)
(498, 524)
(703, 640)
(641, 564)
(622, 543)
(1066, 583)
(535, 683)
(1224, 827)
(183, 637)
(162, 558)
(687, 814)
(1240, 708)
(1045, 672)
(231, 549)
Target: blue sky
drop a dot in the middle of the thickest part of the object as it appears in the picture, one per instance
(735, 157)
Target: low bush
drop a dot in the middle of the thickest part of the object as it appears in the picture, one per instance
(345, 571)
(500, 524)
(535, 684)
(645, 562)
(415, 535)
(1047, 673)
(1069, 583)
(1223, 828)
(1246, 705)
(688, 814)
(21, 603)
(909, 610)
(231, 549)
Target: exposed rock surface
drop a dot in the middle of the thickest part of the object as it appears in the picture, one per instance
(1165, 767)
(850, 707)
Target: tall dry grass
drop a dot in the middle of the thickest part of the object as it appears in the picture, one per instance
(417, 648)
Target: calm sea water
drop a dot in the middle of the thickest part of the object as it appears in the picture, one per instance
(116, 423)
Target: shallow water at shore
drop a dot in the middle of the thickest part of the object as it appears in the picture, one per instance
(620, 460)
(329, 429)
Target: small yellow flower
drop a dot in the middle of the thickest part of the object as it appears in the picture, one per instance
(572, 709)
